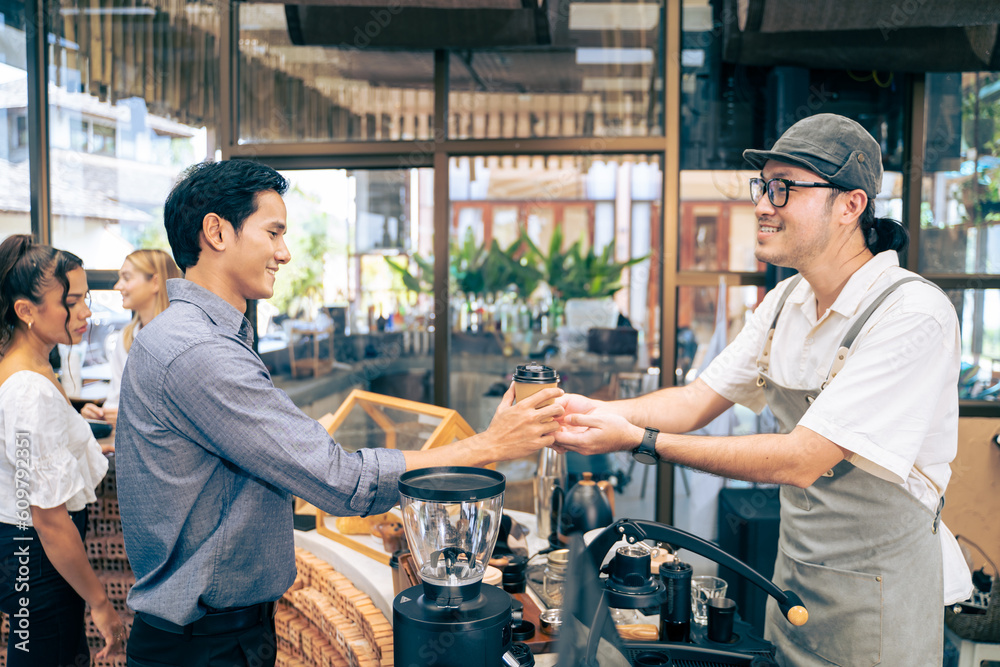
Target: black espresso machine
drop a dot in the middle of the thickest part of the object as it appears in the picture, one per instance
(451, 516)
(588, 637)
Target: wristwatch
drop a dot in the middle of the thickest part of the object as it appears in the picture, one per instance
(646, 451)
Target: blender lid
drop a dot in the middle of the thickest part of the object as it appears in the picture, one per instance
(451, 484)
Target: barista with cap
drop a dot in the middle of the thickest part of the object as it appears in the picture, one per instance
(858, 359)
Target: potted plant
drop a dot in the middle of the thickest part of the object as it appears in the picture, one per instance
(576, 273)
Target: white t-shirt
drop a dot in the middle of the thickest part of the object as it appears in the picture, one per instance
(65, 462)
(895, 402)
(116, 361)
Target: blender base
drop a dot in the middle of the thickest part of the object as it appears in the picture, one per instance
(477, 632)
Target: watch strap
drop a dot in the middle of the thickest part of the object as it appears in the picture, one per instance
(646, 451)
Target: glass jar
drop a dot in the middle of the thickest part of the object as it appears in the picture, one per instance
(554, 577)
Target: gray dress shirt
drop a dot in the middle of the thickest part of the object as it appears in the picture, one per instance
(209, 453)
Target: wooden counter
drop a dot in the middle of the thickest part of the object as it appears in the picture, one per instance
(369, 575)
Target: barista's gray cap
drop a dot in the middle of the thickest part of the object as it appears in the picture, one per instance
(835, 147)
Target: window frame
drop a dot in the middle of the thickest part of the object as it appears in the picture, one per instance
(437, 154)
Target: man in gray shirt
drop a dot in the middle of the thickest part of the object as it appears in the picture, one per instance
(209, 452)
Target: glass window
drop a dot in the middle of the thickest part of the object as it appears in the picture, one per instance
(533, 237)
(960, 200)
(555, 258)
(728, 107)
(718, 226)
(103, 139)
(701, 330)
(594, 71)
(79, 135)
(15, 206)
(356, 237)
(317, 73)
(979, 318)
(132, 100)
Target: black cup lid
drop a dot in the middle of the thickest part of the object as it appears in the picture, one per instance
(534, 373)
(452, 484)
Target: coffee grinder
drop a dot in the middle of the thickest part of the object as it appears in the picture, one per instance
(452, 516)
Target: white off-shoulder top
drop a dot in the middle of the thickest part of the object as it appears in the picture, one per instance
(64, 461)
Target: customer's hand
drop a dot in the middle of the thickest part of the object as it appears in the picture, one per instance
(110, 625)
(516, 431)
(524, 428)
(91, 411)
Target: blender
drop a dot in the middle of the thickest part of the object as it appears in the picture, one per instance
(451, 516)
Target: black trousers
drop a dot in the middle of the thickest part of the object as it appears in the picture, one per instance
(250, 647)
(47, 631)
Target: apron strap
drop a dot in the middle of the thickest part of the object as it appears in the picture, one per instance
(937, 490)
(765, 354)
(845, 346)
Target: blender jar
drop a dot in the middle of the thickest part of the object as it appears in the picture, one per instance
(452, 517)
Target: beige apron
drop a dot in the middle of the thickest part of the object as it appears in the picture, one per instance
(861, 552)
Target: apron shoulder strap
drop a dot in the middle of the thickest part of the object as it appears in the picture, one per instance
(859, 323)
(784, 297)
(765, 352)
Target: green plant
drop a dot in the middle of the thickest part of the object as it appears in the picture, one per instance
(474, 271)
(579, 274)
(153, 236)
(420, 283)
(468, 262)
(511, 266)
(479, 272)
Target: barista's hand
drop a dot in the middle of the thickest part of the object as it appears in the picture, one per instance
(522, 429)
(575, 404)
(597, 432)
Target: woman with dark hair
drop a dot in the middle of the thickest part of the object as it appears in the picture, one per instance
(142, 282)
(50, 467)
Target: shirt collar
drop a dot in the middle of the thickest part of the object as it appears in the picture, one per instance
(853, 293)
(218, 309)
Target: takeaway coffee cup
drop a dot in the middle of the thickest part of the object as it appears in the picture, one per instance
(531, 378)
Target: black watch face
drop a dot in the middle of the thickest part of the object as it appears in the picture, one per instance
(643, 456)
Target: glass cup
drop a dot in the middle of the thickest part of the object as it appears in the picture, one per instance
(704, 588)
(554, 577)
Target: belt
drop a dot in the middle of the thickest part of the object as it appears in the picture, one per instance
(215, 622)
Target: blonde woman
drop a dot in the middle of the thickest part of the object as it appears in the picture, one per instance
(142, 283)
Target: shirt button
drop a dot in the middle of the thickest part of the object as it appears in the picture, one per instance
(809, 341)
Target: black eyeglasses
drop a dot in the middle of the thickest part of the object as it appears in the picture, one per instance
(777, 189)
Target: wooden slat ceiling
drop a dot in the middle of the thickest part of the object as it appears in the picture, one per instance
(548, 68)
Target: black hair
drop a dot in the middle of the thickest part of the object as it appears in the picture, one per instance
(882, 234)
(26, 272)
(228, 188)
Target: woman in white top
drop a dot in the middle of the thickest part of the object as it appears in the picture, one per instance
(50, 466)
(142, 282)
